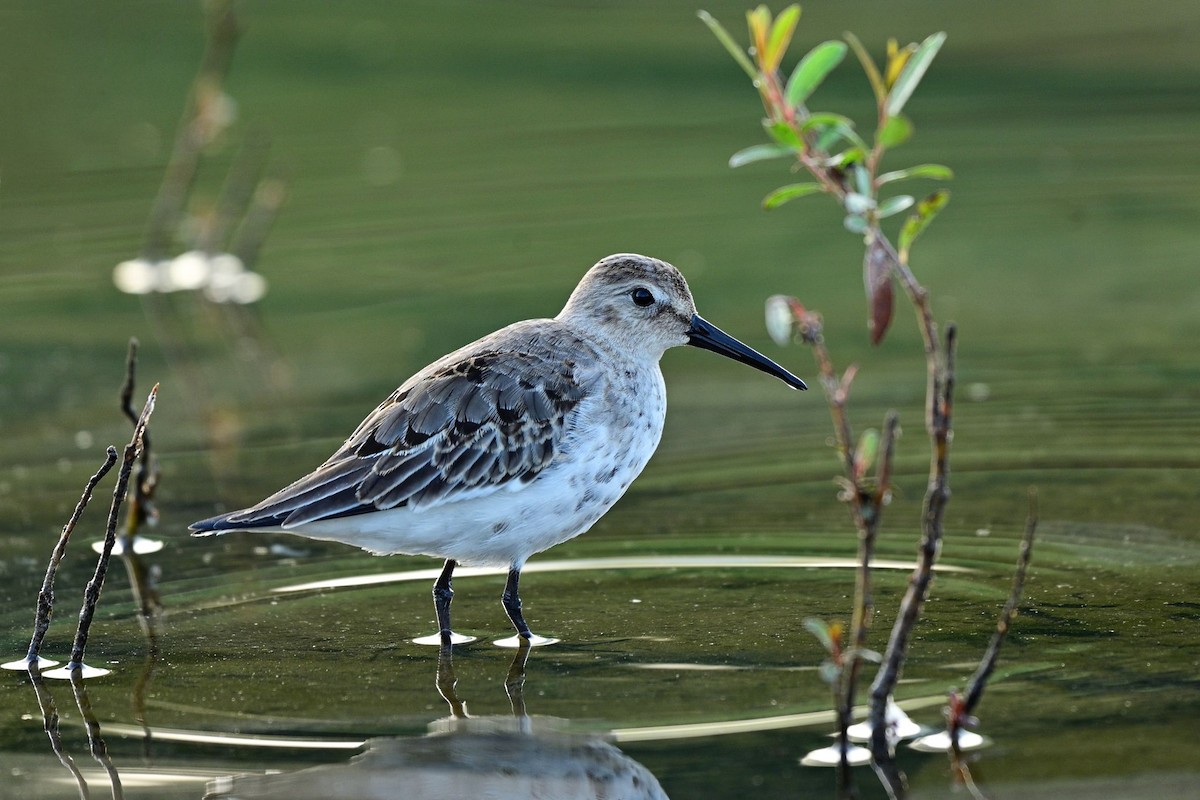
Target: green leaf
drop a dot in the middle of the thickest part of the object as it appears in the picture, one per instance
(935, 172)
(894, 205)
(781, 36)
(862, 179)
(864, 454)
(830, 672)
(856, 203)
(820, 629)
(758, 152)
(783, 132)
(896, 131)
(813, 69)
(868, 65)
(855, 224)
(927, 209)
(735, 50)
(832, 127)
(912, 73)
(790, 192)
(848, 157)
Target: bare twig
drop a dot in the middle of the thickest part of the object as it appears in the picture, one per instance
(141, 507)
(987, 665)
(96, 584)
(936, 496)
(866, 502)
(45, 601)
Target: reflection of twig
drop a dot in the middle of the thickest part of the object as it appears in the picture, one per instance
(196, 128)
(50, 724)
(91, 595)
(45, 601)
(962, 773)
(891, 777)
(95, 739)
(190, 138)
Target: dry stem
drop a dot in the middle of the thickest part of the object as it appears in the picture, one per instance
(45, 601)
(91, 595)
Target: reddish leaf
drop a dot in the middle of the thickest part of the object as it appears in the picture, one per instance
(877, 280)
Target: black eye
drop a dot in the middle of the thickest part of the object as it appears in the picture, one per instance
(642, 297)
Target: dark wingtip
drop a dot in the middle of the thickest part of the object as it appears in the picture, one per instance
(224, 523)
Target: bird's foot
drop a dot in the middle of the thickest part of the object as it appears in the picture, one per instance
(533, 640)
(435, 639)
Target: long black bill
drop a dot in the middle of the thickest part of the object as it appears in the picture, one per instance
(705, 335)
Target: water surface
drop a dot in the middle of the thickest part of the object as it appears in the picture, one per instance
(519, 145)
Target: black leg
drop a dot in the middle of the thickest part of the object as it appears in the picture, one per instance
(443, 593)
(512, 604)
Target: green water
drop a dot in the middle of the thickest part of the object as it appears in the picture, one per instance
(520, 144)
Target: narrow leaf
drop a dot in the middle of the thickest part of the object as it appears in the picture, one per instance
(868, 65)
(856, 203)
(927, 209)
(854, 223)
(896, 131)
(820, 629)
(894, 205)
(864, 454)
(835, 126)
(877, 280)
(848, 157)
(758, 152)
(896, 61)
(829, 672)
(862, 179)
(759, 22)
(935, 172)
(781, 37)
(735, 50)
(826, 119)
(783, 132)
(790, 192)
(913, 71)
(813, 69)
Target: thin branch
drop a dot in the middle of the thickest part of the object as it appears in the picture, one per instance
(936, 497)
(988, 664)
(91, 595)
(141, 506)
(45, 601)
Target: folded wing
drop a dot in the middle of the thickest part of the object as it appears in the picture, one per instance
(468, 428)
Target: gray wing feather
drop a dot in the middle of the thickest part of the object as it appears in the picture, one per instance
(465, 426)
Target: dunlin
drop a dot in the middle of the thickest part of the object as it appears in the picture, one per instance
(512, 444)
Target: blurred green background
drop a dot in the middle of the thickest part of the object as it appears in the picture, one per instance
(456, 166)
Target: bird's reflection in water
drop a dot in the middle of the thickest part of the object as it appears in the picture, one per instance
(467, 757)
